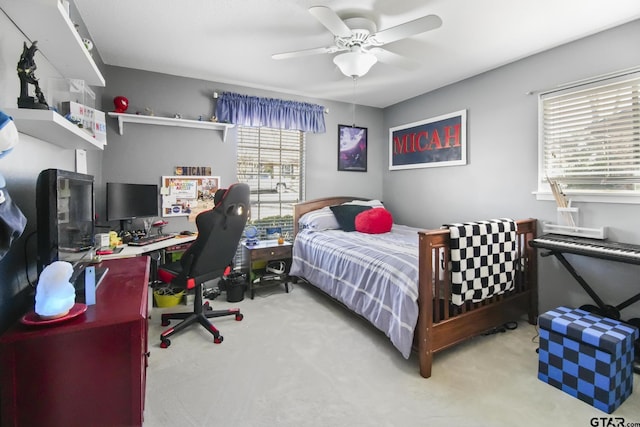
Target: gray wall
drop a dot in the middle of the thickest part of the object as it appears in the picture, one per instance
(502, 150)
(144, 153)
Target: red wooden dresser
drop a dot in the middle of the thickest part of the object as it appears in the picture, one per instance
(85, 371)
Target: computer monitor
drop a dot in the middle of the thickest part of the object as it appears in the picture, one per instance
(129, 201)
(65, 216)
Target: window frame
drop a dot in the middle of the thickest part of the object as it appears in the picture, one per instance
(591, 195)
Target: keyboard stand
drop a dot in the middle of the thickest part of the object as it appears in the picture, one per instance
(602, 308)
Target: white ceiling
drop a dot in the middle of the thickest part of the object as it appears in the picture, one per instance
(231, 41)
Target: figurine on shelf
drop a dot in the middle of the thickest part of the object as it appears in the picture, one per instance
(88, 44)
(121, 104)
(26, 73)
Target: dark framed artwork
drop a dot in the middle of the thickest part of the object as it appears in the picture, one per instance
(352, 148)
(438, 141)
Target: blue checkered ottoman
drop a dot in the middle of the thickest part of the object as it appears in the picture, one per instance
(587, 356)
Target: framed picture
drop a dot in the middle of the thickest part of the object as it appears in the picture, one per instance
(352, 148)
(439, 141)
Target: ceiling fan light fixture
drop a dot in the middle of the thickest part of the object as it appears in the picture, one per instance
(355, 63)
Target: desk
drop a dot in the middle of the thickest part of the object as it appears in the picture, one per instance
(88, 371)
(133, 251)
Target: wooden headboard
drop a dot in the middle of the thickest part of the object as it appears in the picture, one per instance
(302, 208)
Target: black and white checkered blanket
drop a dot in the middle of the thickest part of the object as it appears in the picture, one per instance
(482, 259)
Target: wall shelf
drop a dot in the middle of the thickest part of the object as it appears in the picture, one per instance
(46, 22)
(50, 126)
(168, 121)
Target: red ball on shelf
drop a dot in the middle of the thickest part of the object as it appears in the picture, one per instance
(121, 103)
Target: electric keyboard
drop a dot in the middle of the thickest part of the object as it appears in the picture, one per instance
(147, 240)
(604, 249)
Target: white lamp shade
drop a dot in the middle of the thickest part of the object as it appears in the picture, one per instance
(355, 63)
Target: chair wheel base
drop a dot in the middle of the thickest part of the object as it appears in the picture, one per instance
(201, 314)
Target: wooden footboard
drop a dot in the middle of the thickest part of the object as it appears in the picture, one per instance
(440, 324)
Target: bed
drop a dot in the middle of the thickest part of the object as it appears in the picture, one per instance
(412, 300)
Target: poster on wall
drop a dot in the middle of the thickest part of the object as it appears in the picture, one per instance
(352, 148)
(188, 195)
(438, 141)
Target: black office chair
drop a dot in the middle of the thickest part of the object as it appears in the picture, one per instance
(210, 255)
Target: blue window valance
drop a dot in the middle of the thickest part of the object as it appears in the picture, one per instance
(254, 111)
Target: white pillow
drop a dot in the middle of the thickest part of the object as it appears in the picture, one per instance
(373, 203)
(319, 220)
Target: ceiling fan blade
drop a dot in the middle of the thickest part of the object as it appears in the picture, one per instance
(392, 58)
(330, 20)
(306, 52)
(408, 29)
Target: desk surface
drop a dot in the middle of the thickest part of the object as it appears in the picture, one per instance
(131, 251)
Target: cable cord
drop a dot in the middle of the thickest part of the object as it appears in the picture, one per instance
(509, 326)
(26, 258)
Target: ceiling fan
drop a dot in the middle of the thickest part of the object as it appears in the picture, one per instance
(360, 41)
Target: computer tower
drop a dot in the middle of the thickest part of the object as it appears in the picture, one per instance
(65, 210)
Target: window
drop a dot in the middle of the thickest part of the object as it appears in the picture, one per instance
(271, 161)
(589, 138)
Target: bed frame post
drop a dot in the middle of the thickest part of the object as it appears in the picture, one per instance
(424, 327)
(530, 232)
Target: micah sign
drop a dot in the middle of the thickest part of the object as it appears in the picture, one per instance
(439, 141)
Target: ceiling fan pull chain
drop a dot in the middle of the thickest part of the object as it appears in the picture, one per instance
(355, 80)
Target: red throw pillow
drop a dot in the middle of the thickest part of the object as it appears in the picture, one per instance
(374, 221)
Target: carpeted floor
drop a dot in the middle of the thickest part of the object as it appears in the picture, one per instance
(300, 359)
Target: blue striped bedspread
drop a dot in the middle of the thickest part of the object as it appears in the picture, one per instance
(375, 275)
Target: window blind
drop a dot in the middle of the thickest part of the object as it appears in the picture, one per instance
(271, 161)
(591, 135)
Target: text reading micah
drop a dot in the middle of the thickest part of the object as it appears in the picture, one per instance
(425, 143)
